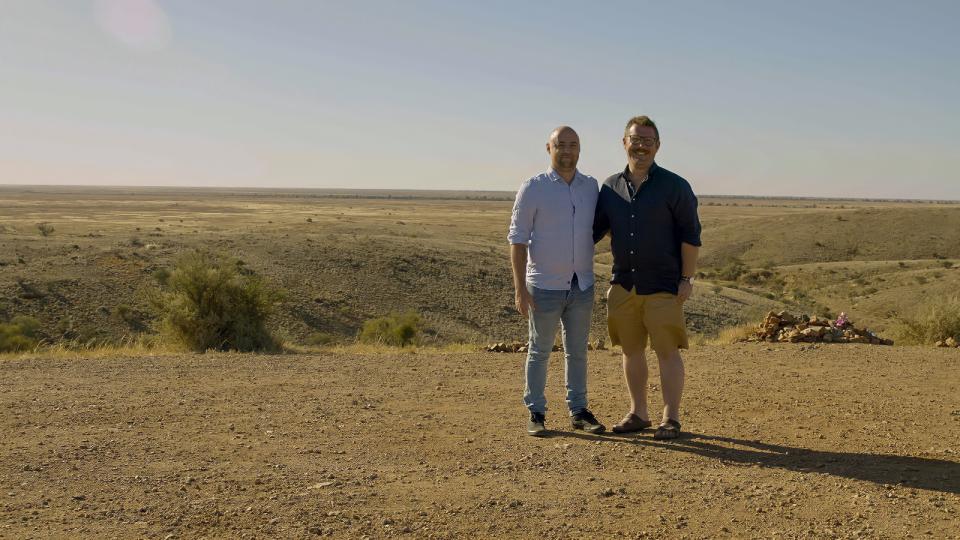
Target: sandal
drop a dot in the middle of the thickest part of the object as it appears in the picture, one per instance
(667, 430)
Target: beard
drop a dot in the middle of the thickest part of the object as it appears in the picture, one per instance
(567, 163)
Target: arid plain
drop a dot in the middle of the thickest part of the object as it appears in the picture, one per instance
(782, 440)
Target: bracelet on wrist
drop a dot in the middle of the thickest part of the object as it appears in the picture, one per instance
(687, 279)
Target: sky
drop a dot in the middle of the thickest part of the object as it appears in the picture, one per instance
(817, 98)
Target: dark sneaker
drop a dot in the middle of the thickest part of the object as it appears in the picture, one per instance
(535, 425)
(631, 423)
(586, 421)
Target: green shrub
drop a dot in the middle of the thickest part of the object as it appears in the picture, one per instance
(716, 289)
(161, 275)
(210, 303)
(732, 271)
(398, 330)
(28, 325)
(13, 340)
(64, 325)
(19, 334)
(320, 338)
(946, 264)
(123, 311)
(934, 321)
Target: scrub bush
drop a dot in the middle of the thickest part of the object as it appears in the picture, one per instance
(211, 303)
(161, 275)
(18, 335)
(934, 321)
(732, 271)
(398, 330)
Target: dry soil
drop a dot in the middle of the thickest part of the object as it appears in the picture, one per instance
(784, 441)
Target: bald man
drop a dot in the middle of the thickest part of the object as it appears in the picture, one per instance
(551, 250)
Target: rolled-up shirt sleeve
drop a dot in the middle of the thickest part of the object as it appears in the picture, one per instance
(685, 218)
(521, 222)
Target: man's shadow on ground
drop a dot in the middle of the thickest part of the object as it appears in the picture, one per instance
(915, 472)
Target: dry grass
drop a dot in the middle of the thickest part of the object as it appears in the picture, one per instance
(735, 334)
(65, 350)
(932, 322)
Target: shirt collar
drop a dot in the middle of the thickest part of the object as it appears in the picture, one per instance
(555, 176)
(653, 169)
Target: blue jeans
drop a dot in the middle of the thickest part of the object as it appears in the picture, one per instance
(572, 309)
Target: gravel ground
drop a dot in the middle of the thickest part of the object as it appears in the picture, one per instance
(780, 441)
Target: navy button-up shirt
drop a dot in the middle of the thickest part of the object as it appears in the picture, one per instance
(647, 228)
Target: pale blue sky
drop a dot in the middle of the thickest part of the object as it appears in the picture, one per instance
(846, 99)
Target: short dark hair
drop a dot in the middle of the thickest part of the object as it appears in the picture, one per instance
(641, 121)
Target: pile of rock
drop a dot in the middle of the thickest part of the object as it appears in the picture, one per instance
(514, 347)
(517, 347)
(783, 327)
(949, 342)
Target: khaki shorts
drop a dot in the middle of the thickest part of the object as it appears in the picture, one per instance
(631, 318)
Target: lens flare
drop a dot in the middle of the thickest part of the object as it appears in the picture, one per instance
(139, 24)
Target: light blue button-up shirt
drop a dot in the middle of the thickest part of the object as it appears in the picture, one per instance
(555, 221)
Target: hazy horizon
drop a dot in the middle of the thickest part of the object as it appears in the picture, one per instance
(752, 99)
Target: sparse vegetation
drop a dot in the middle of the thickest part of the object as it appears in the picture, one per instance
(936, 320)
(209, 303)
(45, 229)
(732, 271)
(397, 330)
(736, 334)
(716, 289)
(29, 290)
(19, 334)
(64, 325)
(321, 338)
(162, 275)
(123, 311)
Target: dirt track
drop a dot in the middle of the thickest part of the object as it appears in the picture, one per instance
(781, 442)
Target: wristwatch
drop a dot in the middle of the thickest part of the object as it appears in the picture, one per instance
(687, 279)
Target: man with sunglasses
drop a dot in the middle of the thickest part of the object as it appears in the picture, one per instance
(551, 251)
(650, 214)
